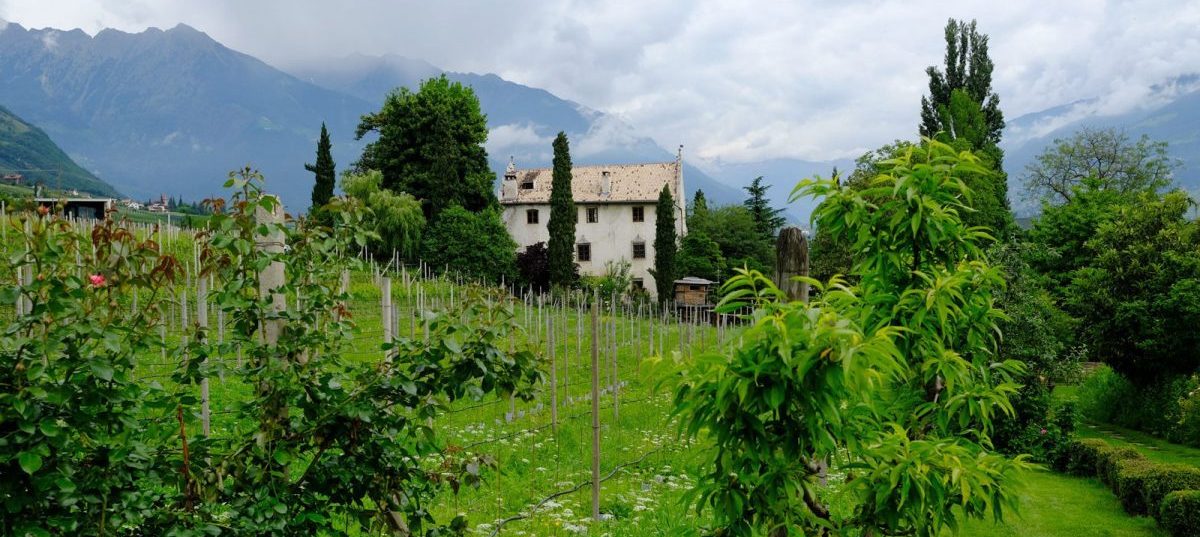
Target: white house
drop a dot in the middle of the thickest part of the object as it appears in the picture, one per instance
(615, 207)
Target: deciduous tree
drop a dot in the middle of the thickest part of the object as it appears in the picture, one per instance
(431, 145)
(1107, 156)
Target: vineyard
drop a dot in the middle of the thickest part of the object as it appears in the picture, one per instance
(536, 455)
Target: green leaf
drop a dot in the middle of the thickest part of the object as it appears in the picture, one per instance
(65, 484)
(29, 461)
(102, 370)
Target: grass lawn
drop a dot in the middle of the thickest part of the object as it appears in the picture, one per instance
(1154, 448)
(1056, 504)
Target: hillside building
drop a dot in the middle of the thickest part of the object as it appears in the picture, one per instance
(615, 212)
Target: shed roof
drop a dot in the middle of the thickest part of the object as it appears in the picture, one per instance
(692, 280)
(627, 183)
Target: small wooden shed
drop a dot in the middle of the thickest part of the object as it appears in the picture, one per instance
(693, 291)
(94, 208)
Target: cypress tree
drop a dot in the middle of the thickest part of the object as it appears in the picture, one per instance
(324, 171)
(664, 244)
(562, 217)
(699, 206)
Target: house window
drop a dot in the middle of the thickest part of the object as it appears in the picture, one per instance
(531, 216)
(639, 214)
(638, 283)
(639, 250)
(593, 215)
(526, 185)
(585, 252)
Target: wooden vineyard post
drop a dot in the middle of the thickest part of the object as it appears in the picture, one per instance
(385, 315)
(202, 320)
(791, 260)
(595, 413)
(553, 375)
(616, 382)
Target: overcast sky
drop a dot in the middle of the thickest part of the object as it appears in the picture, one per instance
(735, 80)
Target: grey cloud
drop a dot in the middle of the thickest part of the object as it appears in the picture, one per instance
(729, 79)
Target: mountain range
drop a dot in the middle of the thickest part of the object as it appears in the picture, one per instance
(174, 111)
(1168, 112)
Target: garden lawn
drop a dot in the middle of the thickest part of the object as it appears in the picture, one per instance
(1154, 448)
(1054, 504)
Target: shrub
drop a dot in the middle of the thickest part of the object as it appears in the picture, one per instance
(1107, 459)
(476, 245)
(1083, 455)
(1129, 483)
(1180, 513)
(1164, 479)
(1102, 394)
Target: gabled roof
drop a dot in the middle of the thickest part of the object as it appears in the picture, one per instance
(627, 183)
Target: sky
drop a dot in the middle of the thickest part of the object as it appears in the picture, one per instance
(735, 81)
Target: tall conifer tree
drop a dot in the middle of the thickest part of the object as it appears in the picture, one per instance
(562, 217)
(664, 244)
(324, 171)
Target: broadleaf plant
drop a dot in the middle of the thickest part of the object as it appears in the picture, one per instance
(891, 384)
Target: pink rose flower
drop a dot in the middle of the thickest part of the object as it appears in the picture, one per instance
(97, 280)
(1043, 431)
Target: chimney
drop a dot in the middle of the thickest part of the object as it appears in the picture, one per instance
(605, 183)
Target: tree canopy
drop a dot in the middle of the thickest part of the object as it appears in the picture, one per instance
(1106, 156)
(563, 216)
(396, 218)
(431, 145)
(967, 67)
(767, 219)
(1139, 298)
(665, 245)
(476, 245)
(324, 171)
(895, 378)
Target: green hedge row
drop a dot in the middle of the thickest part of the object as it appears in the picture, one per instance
(1169, 492)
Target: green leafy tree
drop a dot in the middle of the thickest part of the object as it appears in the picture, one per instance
(766, 219)
(733, 228)
(894, 379)
(699, 207)
(665, 246)
(474, 244)
(397, 221)
(562, 217)
(1139, 299)
(1106, 156)
(431, 145)
(700, 256)
(1060, 234)
(968, 67)
(962, 110)
(533, 266)
(324, 171)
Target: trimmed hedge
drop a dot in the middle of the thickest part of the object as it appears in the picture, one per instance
(1129, 484)
(1170, 492)
(1107, 459)
(1082, 456)
(1180, 513)
(1167, 478)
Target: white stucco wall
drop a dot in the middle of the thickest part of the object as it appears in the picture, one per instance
(611, 237)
